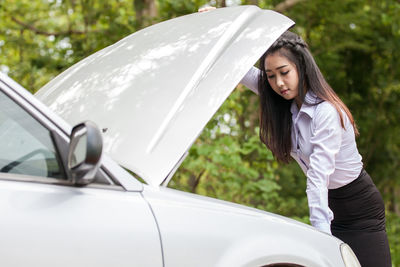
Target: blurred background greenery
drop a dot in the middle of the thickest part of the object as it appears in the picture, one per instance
(355, 42)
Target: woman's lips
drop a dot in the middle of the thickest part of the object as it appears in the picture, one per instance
(284, 92)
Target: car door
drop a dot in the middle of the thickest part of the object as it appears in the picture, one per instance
(48, 221)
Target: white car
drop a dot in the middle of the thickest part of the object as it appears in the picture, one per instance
(66, 197)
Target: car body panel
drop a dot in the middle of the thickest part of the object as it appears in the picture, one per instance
(154, 91)
(236, 236)
(53, 225)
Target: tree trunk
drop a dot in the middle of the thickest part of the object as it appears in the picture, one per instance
(251, 2)
(221, 3)
(146, 10)
(194, 181)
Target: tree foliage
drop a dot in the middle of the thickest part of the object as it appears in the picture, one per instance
(355, 42)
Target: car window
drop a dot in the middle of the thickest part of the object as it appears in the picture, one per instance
(26, 146)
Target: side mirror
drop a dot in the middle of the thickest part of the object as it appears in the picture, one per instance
(84, 153)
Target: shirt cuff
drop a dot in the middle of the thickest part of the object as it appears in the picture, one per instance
(324, 227)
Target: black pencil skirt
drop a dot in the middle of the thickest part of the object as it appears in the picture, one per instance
(359, 220)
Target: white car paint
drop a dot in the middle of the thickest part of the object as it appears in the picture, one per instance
(48, 225)
(235, 236)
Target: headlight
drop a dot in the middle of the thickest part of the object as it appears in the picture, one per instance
(349, 258)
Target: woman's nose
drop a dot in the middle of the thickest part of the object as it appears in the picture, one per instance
(279, 82)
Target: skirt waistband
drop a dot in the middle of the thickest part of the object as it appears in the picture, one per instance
(358, 184)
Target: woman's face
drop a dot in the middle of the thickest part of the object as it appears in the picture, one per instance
(282, 75)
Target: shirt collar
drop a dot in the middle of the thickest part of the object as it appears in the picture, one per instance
(310, 98)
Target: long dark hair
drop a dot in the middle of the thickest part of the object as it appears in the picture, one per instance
(275, 115)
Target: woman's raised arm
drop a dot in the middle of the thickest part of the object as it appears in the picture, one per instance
(250, 80)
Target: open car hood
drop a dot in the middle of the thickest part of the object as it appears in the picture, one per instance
(153, 92)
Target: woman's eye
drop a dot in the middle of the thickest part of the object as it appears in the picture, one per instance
(270, 76)
(284, 73)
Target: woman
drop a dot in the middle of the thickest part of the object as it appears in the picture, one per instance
(303, 118)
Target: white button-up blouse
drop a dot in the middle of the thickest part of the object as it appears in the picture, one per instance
(326, 152)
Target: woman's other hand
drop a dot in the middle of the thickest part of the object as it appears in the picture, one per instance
(206, 8)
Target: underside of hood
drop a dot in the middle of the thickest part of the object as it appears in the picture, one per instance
(153, 92)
